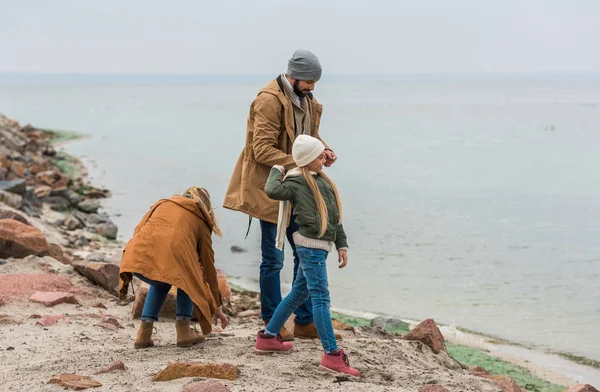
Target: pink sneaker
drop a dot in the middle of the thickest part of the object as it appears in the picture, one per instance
(337, 362)
(266, 344)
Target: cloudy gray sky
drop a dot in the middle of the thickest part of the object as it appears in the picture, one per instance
(257, 36)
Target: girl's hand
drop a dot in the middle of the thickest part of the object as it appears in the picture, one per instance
(219, 315)
(342, 258)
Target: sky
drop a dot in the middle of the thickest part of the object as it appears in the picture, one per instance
(258, 36)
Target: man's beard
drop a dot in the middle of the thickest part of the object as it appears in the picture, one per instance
(297, 90)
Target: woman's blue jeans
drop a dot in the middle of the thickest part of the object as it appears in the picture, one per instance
(157, 293)
(311, 282)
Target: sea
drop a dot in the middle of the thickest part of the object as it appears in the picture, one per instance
(470, 199)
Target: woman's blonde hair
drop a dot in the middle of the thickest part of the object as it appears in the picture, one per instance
(321, 206)
(202, 197)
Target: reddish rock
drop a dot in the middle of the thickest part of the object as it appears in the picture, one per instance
(74, 382)
(18, 169)
(506, 383)
(35, 169)
(428, 333)
(23, 285)
(581, 388)
(103, 274)
(110, 323)
(197, 369)
(206, 386)
(48, 177)
(478, 371)
(42, 191)
(49, 298)
(99, 305)
(223, 285)
(35, 316)
(7, 214)
(116, 366)
(57, 253)
(169, 308)
(432, 388)
(49, 320)
(340, 326)
(20, 240)
(6, 319)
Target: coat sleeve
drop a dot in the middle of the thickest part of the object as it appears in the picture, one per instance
(276, 189)
(267, 127)
(340, 237)
(207, 259)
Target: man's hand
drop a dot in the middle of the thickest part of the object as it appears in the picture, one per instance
(219, 315)
(280, 168)
(342, 258)
(330, 158)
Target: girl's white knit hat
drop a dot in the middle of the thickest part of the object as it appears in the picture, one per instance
(306, 149)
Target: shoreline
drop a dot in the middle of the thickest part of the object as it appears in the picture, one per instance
(555, 380)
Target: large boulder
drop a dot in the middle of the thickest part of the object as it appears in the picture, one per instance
(19, 240)
(15, 186)
(428, 333)
(8, 214)
(103, 274)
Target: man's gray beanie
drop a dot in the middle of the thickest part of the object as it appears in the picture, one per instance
(304, 65)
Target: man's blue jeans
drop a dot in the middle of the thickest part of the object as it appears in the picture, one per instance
(157, 293)
(270, 268)
(311, 282)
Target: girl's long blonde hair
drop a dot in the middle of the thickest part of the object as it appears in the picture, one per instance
(202, 197)
(321, 206)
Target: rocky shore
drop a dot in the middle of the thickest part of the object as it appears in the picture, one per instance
(62, 325)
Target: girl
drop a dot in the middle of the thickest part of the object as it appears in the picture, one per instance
(318, 211)
(172, 245)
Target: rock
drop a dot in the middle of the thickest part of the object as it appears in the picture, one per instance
(19, 240)
(169, 308)
(223, 285)
(432, 388)
(51, 298)
(237, 249)
(390, 324)
(197, 369)
(81, 242)
(88, 206)
(49, 320)
(105, 275)
(6, 319)
(99, 305)
(506, 383)
(74, 198)
(8, 214)
(110, 323)
(19, 170)
(340, 326)
(11, 199)
(15, 186)
(206, 386)
(116, 366)
(581, 388)
(108, 230)
(57, 253)
(42, 191)
(478, 371)
(249, 313)
(92, 219)
(48, 177)
(428, 333)
(72, 223)
(57, 203)
(74, 382)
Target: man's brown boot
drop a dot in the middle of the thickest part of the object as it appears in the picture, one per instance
(309, 331)
(144, 335)
(285, 334)
(186, 335)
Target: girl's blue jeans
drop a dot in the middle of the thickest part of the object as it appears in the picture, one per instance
(311, 282)
(157, 293)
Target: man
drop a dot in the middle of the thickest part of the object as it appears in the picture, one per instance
(282, 110)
